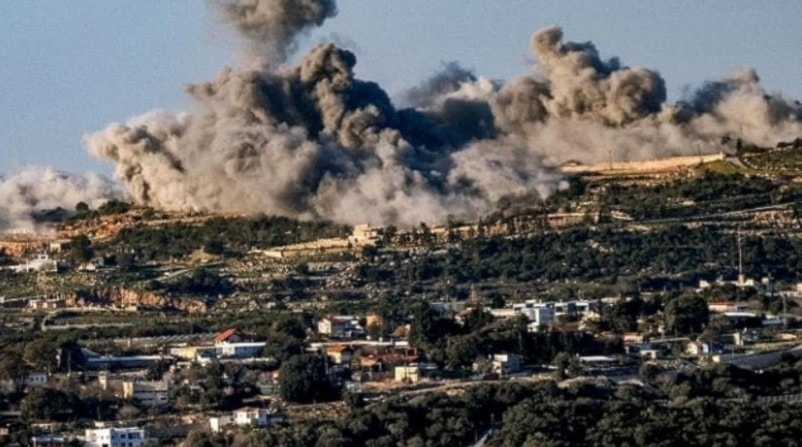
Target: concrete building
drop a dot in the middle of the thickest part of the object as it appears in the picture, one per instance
(41, 263)
(599, 361)
(34, 379)
(702, 348)
(407, 374)
(245, 417)
(46, 304)
(364, 234)
(147, 393)
(448, 308)
(22, 243)
(726, 306)
(340, 354)
(504, 364)
(192, 352)
(231, 344)
(340, 326)
(116, 437)
(51, 440)
(240, 350)
(539, 315)
(503, 312)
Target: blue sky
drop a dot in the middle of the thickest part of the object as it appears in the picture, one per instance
(71, 67)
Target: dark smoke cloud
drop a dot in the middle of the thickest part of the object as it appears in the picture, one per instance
(448, 80)
(313, 141)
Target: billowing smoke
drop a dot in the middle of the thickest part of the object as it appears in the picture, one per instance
(580, 107)
(31, 192)
(272, 26)
(311, 140)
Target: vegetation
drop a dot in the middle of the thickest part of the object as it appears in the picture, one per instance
(542, 414)
(303, 379)
(676, 254)
(709, 194)
(233, 236)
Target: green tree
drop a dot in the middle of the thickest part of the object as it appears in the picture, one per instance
(282, 346)
(81, 208)
(214, 247)
(42, 354)
(47, 404)
(303, 379)
(477, 319)
(686, 314)
(81, 249)
(461, 351)
(156, 371)
(213, 386)
(13, 367)
(114, 207)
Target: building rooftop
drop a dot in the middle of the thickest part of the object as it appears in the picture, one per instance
(225, 335)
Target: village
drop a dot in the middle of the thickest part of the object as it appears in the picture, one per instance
(111, 342)
(165, 387)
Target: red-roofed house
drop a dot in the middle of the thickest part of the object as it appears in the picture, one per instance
(228, 336)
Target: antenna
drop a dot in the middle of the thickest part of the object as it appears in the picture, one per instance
(610, 154)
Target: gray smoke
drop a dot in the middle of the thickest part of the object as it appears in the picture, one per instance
(32, 191)
(577, 106)
(272, 27)
(313, 141)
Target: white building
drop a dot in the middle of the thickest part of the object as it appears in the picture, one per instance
(36, 379)
(147, 393)
(539, 314)
(727, 306)
(506, 363)
(364, 234)
(543, 313)
(448, 307)
(41, 263)
(116, 437)
(240, 350)
(340, 326)
(503, 312)
(407, 374)
(244, 417)
(33, 379)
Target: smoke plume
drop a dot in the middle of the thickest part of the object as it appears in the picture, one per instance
(34, 190)
(271, 27)
(312, 141)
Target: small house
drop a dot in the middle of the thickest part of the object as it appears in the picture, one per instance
(340, 354)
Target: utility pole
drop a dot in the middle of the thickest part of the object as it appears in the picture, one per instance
(740, 259)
